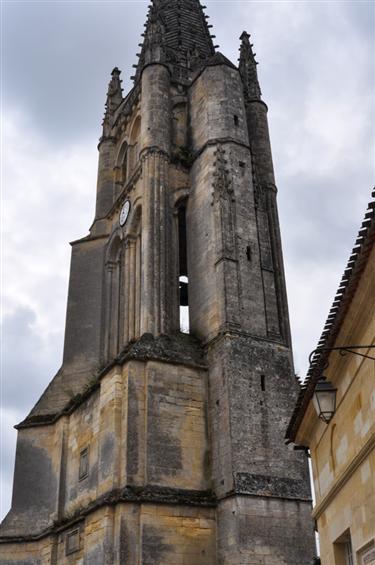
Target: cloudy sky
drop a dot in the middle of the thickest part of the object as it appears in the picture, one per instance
(317, 76)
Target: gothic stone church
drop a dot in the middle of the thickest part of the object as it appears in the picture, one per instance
(153, 446)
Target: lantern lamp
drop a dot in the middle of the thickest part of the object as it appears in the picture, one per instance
(324, 400)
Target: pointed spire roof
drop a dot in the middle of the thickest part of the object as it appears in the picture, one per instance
(114, 99)
(176, 33)
(248, 69)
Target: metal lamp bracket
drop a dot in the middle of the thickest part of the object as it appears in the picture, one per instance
(343, 350)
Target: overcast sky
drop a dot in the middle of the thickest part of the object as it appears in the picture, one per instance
(316, 68)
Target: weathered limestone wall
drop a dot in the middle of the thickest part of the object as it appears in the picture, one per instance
(215, 100)
(251, 386)
(34, 553)
(233, 278)
(36, 481)
(147, 534)
(145, 426)
(251, 392)
(84, 312)
(251, 531)
(354, 512)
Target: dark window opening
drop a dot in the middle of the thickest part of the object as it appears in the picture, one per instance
(84, 464)
(183, 279)
(72, 542)
(236, 121)
(263, 382)
(343, 551)
(248, 253)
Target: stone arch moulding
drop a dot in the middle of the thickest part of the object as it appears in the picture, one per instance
(121, 168)
(132, 284)
(113, 274)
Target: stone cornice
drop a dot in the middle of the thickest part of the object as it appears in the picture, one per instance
(272, 486)
(163, 349)
(255, 101)
(230, 332)
(130, 494)
(221, 141)
(345, 476)
(147, 495)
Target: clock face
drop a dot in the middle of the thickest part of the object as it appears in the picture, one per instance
(124, 213)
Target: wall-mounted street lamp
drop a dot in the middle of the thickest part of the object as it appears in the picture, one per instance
(324, 399)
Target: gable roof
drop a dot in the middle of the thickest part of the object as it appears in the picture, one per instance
(352, 275)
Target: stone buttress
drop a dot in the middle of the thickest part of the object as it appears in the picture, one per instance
(152, 445)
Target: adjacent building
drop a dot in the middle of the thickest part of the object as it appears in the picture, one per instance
(150, 445)
(343, 448)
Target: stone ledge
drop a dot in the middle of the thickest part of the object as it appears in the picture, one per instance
(132, 494)
(280, 487)
(179, 349)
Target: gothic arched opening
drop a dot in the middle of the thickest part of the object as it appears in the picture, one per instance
(183, 276)
(121, 169)
(123, 287)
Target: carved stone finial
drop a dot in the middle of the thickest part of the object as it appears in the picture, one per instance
(248, 69)
(114, 99)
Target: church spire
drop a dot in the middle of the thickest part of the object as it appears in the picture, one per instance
(176, 34)
(248, 69)
(114, 99)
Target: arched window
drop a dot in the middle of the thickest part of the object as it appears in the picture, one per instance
(133, 279)
(123, 284)
(183, 277)
(121, 169)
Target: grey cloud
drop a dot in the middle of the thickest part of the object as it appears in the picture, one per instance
(30, 359)
(59, 57)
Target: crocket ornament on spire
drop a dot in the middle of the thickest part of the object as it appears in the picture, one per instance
(248, 69)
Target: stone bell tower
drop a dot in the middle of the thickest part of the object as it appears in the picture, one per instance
(152, 445)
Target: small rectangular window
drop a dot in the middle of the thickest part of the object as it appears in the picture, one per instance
(349, 552)
(236, 120)
(342, 549)
(263, 382)
(72, 542)
(84, 464)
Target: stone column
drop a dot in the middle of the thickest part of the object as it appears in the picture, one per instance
(155, 314)
(138, 290)
(132, 283)
(126, 292)
(268, 223)
(156, 240)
